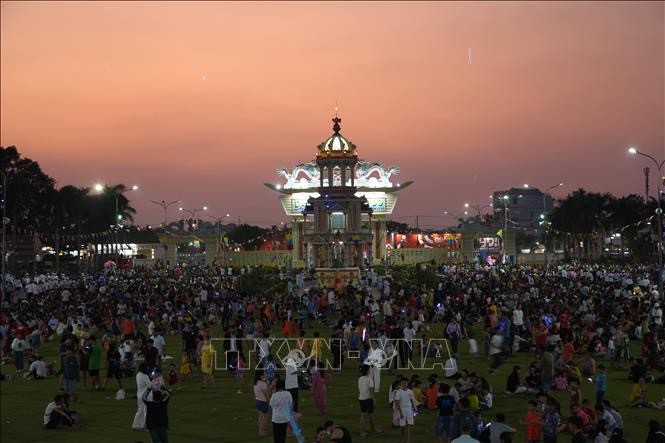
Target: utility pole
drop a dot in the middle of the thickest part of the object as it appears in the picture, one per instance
(57, 248)
(4, 223)
(165, 207)
(505, 226)
(646, 184)
(659, 214)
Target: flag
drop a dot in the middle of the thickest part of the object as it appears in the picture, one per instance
(499, 233)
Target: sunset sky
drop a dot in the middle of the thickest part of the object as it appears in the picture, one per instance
(203, 101)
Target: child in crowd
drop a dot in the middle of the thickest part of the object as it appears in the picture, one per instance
(185, 366)
(173, 375)
(534, 423)
(560, 382)
(473, 347)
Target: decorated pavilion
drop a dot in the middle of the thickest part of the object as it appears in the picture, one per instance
(338, 206)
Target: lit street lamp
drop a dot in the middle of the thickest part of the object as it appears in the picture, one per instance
(165, 206)
(478, 208)
(118, 190)
(505, 199)
(659, 214)
(193, 212)
(219, 228)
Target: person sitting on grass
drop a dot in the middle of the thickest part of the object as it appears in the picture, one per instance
(639, 396)
(338, 434)
(514, 384)
(55, 414)
(37, 370)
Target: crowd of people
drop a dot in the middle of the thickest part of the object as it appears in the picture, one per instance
(575, 321)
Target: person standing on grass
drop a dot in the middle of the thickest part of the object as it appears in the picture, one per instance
(405, 405)
(143, 383)
(601, 385)
(113, 365)
(70, 374)
(160, 344)
(366, 400)
(446, 405)
(319, 389)
(291, 381)
(464, 418)
(157, 417)
(207, 363)
(551, 421)
(496, 350)
(95, 362)
(19, 345)
(261, 398)
(534, 423)
(281, 403)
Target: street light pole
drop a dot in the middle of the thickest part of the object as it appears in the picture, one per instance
(219, 228)
(659, 214)
(4, 222)
(165, 207)
(193, 212)
(505, 227)
(117, 191)
(478, 208)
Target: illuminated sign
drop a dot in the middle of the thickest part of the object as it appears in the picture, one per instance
(377, 204)
(489, 243)
(298, 205)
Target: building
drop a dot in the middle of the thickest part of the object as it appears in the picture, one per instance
(525, 207)
(338, 206)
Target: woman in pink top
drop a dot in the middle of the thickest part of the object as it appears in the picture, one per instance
(319, 389)
(261, 396)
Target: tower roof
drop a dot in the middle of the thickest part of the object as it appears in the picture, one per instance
(336, 145)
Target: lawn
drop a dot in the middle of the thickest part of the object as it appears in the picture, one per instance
(222, 415)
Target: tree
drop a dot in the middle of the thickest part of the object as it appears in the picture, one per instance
(393, 226)
(248, 236)
(582, 214)
(29, 193)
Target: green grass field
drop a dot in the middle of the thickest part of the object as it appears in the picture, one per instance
(222, 415)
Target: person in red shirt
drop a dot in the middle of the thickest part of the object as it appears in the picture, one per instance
(567, 352)
(128, 328)
(541, 334)
(564, 324)
(534, 423)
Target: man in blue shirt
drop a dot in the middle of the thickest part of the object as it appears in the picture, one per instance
(601, 382)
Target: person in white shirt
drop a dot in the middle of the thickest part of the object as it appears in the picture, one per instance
(465, 437)
(160, 344)
(19, 345)
(496, 350)
(143, 383)
(264, 347)
(366, 400)
(281, 403)
(291, 381)
(54, 414)
(406, 405)
(518, 318)
(450, 369)
(387, 309)
(409, 334)
(331, 302)
(37, 369)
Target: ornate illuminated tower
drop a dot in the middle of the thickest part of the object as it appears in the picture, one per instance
(337, 238)
(338, 206)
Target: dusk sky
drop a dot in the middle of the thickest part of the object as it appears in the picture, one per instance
(203, 101)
